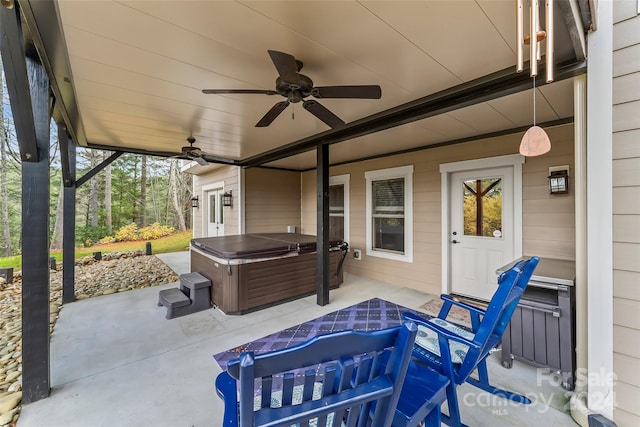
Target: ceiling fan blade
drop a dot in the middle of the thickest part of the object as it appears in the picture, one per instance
(200, 160)
(272, 114)
(318, 110)
(242, 91)
(286, 66)
(361, 92)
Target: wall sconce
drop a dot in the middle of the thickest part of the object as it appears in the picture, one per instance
(559, 181)
(227, 199)
(194, 202)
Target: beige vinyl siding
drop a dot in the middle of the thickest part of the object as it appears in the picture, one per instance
(308, 209)
(626, 212)
(272, 200)
(229, 176)
(548, 221)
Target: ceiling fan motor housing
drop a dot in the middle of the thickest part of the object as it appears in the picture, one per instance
(292, 92)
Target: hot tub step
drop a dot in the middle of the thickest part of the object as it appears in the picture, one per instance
(193, 295)
(194, 281)
(173, 298)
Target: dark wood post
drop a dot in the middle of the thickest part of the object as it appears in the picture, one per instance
(322, 245)
(28, 87)
(35, 246)
(68, 156)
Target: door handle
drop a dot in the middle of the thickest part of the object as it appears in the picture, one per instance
(455, 241)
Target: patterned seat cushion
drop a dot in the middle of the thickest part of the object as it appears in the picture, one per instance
(428, 339)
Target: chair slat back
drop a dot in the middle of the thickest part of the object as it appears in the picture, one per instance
(347, 374)
(511, 286)
(526, 268)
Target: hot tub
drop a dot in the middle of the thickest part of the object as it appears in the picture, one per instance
(253, 271)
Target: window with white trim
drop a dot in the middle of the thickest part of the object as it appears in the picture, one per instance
(390, 213)
(339, 208)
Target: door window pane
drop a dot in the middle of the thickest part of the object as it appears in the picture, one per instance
(336, 212)
(221, 208)
(483, 207)
(388, 214)
(212, 208)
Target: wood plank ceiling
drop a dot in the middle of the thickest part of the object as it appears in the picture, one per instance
(137, 70)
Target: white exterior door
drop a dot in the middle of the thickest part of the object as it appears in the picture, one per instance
(481, 229)
(215, 213)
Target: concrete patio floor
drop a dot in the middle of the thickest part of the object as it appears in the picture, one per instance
(116, 361)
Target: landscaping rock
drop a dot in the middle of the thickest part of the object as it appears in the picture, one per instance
(7, 403)
(7, 417)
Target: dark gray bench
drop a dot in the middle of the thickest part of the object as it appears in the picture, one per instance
(193, 295)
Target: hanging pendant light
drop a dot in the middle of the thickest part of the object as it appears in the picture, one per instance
(535, 141)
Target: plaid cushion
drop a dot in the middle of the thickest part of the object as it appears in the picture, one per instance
(428, 339)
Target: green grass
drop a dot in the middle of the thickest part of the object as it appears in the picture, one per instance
(174, 243)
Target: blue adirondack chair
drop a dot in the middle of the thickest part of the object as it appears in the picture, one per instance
(456, 352)
(362, 376)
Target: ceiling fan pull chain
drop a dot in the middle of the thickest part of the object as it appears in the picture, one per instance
(293, 112)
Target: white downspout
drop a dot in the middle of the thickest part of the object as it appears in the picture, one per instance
(579, 410)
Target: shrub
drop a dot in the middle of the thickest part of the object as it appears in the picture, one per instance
(106, 239)
(88, 236)
(155, 231)
(127, 233)
(131, 233)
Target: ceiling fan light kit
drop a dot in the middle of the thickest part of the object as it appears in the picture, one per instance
(535, 141)
(295, 87)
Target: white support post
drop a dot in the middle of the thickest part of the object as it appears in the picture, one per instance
(600, 214)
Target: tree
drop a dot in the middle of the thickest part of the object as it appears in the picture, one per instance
(108, 221)
(143, 191)
(93, 191)
(173, 188)
(56, 237)
(6, 230)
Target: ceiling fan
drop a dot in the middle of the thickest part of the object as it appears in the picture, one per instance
(295, 87)
(193, 153)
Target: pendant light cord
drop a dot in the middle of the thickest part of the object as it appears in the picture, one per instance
(534, 100)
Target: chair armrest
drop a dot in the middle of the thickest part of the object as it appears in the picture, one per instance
(471, 308)
(226, 389)
(439, 330)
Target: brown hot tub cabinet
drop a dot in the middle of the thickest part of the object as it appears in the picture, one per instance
(253, 271)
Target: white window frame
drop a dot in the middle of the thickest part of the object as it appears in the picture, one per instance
(405, 172)
(343, 180)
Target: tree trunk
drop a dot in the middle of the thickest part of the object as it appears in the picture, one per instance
(93, 192)
(173, 187)
(108, 222)
(143, 191)
(6, 231)
(56, 239)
